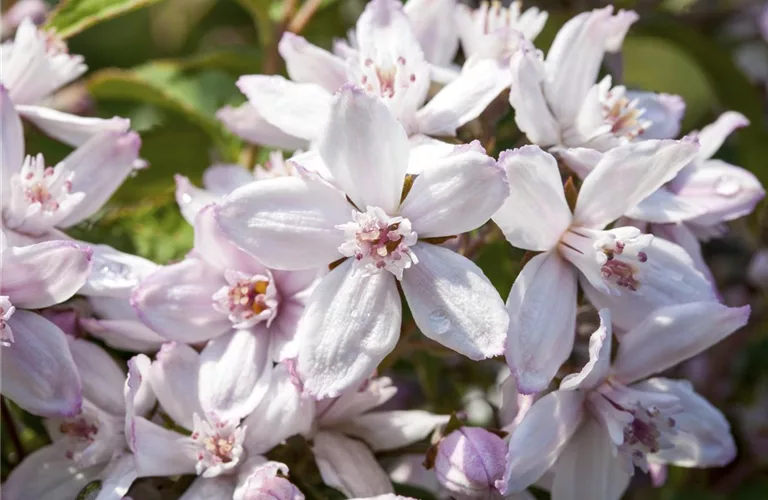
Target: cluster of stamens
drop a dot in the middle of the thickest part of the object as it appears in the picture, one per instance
(384, 80)
(40, 185)
(6, 311)
(81, 430)
(648, 432)
(219, 445)
(378, 241)
(620, 271)
(247, 300)
(623, 115)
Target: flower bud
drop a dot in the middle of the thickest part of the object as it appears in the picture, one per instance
(469, 461)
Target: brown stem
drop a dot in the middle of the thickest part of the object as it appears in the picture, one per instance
(10, 425)
(302, 17)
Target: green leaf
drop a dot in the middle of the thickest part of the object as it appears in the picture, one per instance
(194, 96)
(73, 16)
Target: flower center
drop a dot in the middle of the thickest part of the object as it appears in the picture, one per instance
(82, 431)
(219, 445)
(6, 311)
(384, 78)
(623, 115)
(247, 300)
(648, 432)
(378, 241)
(615, 258)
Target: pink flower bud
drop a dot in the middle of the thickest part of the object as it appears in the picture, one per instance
(469, 461)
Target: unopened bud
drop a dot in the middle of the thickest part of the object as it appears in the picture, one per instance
(469, 461)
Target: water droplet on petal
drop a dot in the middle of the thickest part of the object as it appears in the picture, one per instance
(439, 321)
(727, 186)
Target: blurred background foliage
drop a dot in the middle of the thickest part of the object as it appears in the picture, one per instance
(169, 65)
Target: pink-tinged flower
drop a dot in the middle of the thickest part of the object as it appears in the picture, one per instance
(380, 226)
(621, 268)
(220, 292)
(37, 198)
(35, 10)
(558, 103)
(387, 62)
(434, 26)
(494, 31)
(90, 445)
(37, 369)
(469, 461)
(347, 431)
(606, 420)
(232, 424)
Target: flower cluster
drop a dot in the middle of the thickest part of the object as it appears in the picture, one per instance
(259, 359)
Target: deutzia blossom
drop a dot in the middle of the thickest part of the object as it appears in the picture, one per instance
(379, 229)
(387, 63)
(347, 431)
(90, 445)
(37, 198)
(634, 271)
(558, 103)
(38, 372)
(231, 425)
(605, 420)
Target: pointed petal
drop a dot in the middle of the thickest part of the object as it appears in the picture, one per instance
(456, 194)
(355, 402)
(351, 322)
(233, 394)
(664, 111)
(246, 122)
(174, 378)
(100, 165)
(453, 303)
(349, 465)
(538, 441)
(47, 474)
(127, 334)
(463, 99)
(71, 129)
(643, 167)
(366, 149)
(673, 334)
(44, 274)
(115, 273)
(118, 477)
(542, 321)
(307, 63)
(191, 199)
(526, 96)
(720, 192)
(297, 109)
(714, 135)
(536, 214)
(38, 372)
(599, 364)
(102, 378)
(137, 391)
(434, 25)
(704, 435)
(176, 301)
(588, 467)
(287, 223)
(12, 138)
(388, 430)
(284, 414)
(425, 151)
(161, 452)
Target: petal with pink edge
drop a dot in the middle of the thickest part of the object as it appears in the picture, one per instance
(102, 378)
(308, 63)
(714, 135)
(158, 451)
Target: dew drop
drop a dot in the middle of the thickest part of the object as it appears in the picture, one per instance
(727, 186)
(439, 321)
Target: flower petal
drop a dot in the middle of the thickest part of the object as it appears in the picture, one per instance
(388, 430)
(118, 477)
(176, 301)
(102, 378)
(664, 207)
(284, 414)
(599, 364)
(158, 451)
(453, 303)
(434, 25)
(213, 246)
(673, 334)
(44, 274)
(174, 377)
(352, 403)
(351, 322)
(463, 99)
(124, 335)
(349, 465)
(537, 442)
(38, 372)
(115, 273)
(366, 149)
(246, 122)
(287, 223)
(536, 214)
(223, 178)
(297, 109)
(681, 234)
(542, 321)
(456, 194)
(704, 435)
(589, 467)
(137, 391)
(191, 199)
(714, 135)
(233, 394)
(71, 129)
(526, 96)
(643, 167)
(210, 488)
(307, 63)
(664, 111)
(12, 138)
(47, 474)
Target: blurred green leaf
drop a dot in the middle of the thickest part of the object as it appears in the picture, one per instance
(73, 16)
